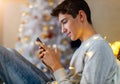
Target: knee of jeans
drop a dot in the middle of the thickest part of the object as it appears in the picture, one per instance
(4, 52)
(1, 48)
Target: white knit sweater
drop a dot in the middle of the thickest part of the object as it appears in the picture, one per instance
(92, 63)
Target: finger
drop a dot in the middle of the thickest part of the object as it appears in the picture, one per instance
(49, 46)
(41, 45)
(41, 55)
(44, 62)
(58, 53)
(57, 50)
(39, 42)
(40, 50)
(43, 59)
(44, 46)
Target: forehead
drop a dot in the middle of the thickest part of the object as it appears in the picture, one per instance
(63, 16)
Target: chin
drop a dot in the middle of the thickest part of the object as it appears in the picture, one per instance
(73, 39)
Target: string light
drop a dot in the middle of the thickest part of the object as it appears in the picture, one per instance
(115, 47)
(95, 37)
(87, 44)
(71, 68)
(30, 6)
(105, 37)
(89, 54)
(54, 82)
(20, 29)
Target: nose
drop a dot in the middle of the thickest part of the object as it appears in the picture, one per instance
(63, 29)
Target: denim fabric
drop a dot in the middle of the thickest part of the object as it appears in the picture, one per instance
(14, 69)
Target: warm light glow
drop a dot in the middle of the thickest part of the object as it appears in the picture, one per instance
(96, 37)
(89, 54)
(14, 0)
(30, 6)
(87, 44)
(20, 29)
(105, 37)
(116, 47)
(54, 46)
(1, 3)
(71, 68)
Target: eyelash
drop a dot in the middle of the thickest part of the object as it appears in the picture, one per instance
(65, 21)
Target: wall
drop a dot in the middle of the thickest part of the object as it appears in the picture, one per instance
(105, 15)
(106, 18)
(11, 23)
(1, 23)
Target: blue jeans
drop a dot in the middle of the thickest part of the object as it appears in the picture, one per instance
(15, 69)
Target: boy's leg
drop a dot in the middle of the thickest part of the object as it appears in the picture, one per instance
(14, 69)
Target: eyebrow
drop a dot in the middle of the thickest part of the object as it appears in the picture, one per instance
(62, 20)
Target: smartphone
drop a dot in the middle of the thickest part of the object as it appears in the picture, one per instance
(38, 40)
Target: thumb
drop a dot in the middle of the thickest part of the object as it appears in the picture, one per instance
(56, 50)
(57, 53)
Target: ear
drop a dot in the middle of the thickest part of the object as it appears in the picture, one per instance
(82, 15)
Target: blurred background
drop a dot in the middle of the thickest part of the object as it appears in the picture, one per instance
(22, 21)
(105, 15)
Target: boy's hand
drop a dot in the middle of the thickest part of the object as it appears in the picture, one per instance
(49, 56)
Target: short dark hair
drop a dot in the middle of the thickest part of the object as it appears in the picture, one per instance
(72, 7)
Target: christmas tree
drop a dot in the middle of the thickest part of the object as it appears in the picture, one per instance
(36, 21)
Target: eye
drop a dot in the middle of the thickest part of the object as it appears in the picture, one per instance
(64, 21)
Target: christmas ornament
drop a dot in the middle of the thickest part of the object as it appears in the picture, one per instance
(46, 17)
(64, 41)
(19, 39)
(26, 38)
(24, 21)
(27, 4)
(45, 27)
(51, 27)
(20, 30)
(44, 35)
(35, 17)
(51, 2)
(25, 14)
(50, 34)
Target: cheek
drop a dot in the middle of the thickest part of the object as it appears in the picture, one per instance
(68, 27)
(73, 28)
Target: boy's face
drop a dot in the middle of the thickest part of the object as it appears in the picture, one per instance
(72, 27)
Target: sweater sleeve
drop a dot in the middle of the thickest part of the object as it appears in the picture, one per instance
(63, 78)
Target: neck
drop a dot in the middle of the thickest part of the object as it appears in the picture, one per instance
(88, 32)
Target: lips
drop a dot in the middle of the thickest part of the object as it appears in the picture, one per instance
(69, 34)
